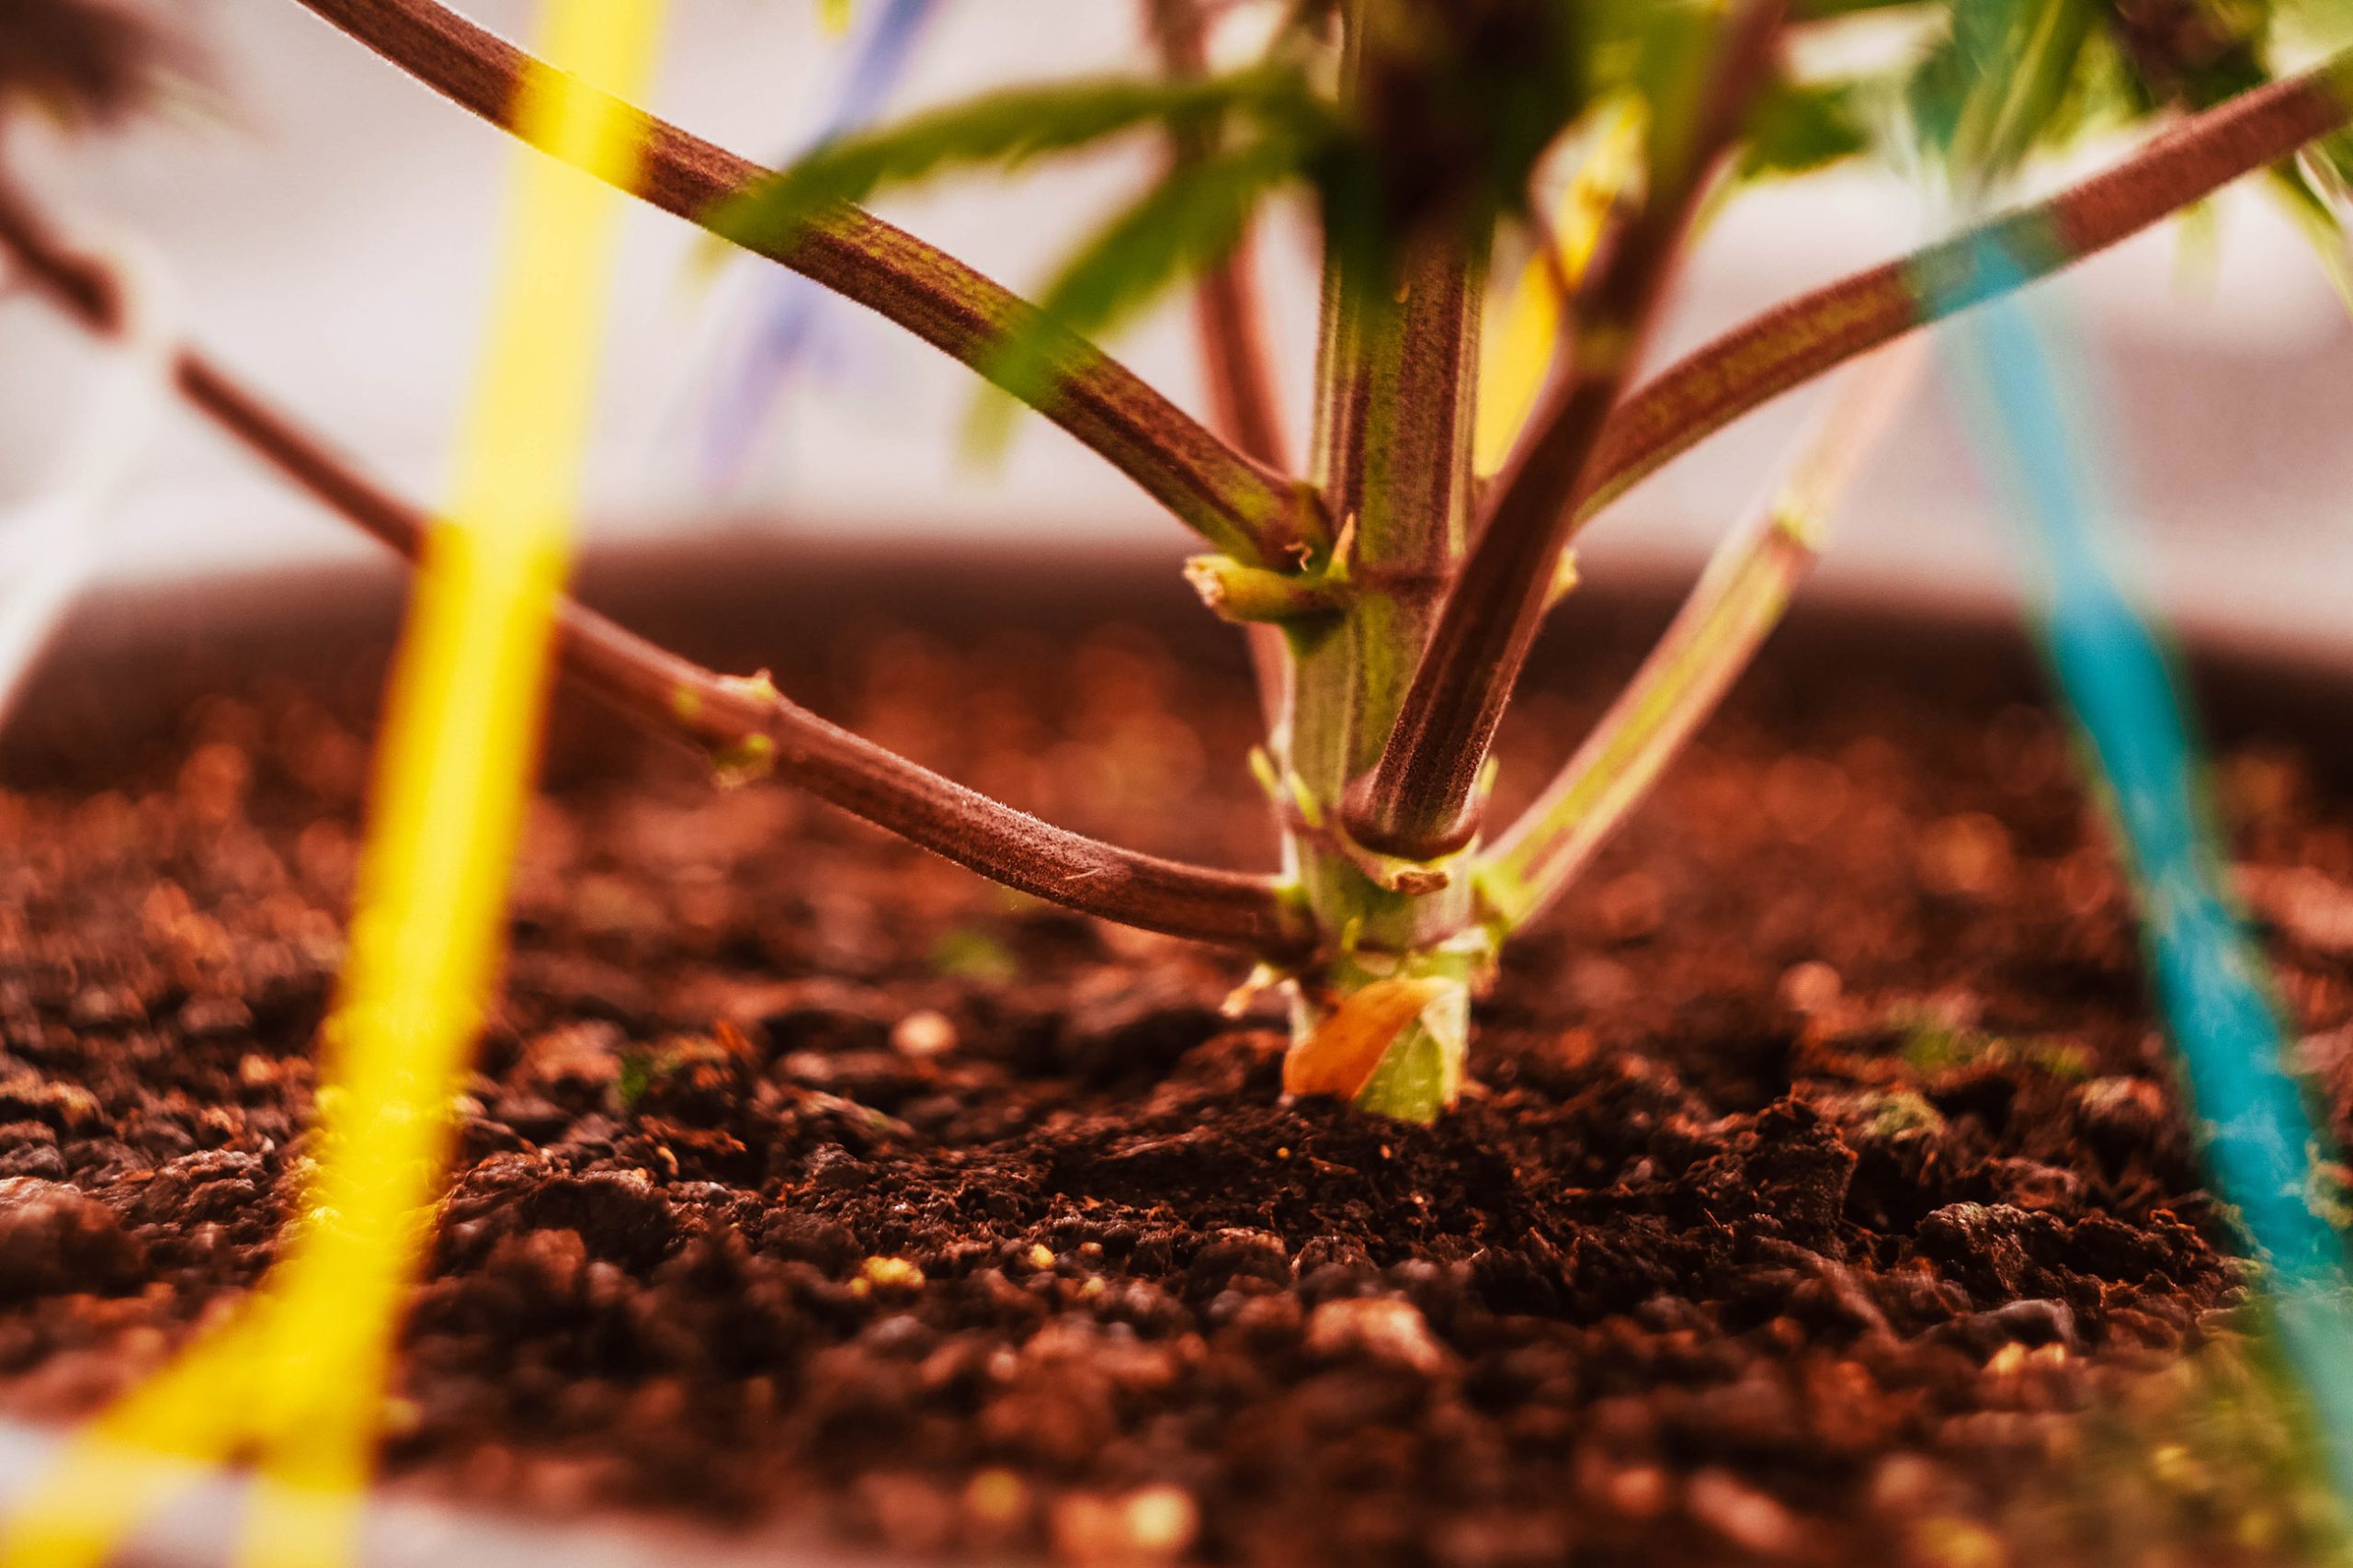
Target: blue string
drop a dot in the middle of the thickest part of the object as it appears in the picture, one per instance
(790, 309)
(2117, 675)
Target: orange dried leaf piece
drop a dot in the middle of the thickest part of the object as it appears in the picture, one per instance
(1340, 1056)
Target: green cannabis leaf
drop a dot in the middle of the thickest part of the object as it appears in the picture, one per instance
(1188, 222)
(1007, 129)
(2011, 78)
(2007, 80)
(1797, 128)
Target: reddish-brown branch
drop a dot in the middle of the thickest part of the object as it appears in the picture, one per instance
(1797, 341)
(1244, 405)
(1229, 319)
(736, 717)
(1418, 801)
(1240, 504)
(1436, 760)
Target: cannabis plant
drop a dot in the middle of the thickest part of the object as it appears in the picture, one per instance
(1391, 587)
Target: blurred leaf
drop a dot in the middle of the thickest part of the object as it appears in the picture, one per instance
(2331, 160)
(85, 62)
(1007, 129)
(2198, 249)
(2001, 85)
(1832, 10)
(2311, 26)
(2319, 219)
(2010, 78)
(2189, 53)
(641, 1067)
(1671, 56)
(1798, 128)
(2198, 55)
(2217, 1458)
(1189, 221)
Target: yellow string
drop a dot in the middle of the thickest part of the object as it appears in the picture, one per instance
(1516, 358)
(296, 1379)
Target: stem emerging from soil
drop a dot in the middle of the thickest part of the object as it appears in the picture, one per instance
(1383, 1017)
(1238, 504)
(745, 723)
(1394, 440)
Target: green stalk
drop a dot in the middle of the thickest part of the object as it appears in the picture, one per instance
(1396, 383)
(1733, 607)
(1420, 798)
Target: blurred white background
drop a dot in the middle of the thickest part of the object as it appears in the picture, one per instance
(330, 225)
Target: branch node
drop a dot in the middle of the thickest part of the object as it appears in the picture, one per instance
(1253, 594)
(1566, 575)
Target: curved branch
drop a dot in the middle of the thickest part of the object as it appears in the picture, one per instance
(1239, 505)
(737, 718)
(1799, 339)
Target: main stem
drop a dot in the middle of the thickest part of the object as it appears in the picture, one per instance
(1420, 800)
(1383, 1015)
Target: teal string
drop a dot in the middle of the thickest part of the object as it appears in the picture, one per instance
(2118, 676)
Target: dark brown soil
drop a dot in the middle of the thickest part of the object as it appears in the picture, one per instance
(1821, 1157)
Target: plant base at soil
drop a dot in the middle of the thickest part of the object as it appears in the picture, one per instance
(1819, 1168)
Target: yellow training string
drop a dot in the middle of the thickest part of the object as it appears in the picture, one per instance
(296, 1379)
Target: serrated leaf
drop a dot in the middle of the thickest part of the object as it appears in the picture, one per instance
(1005, 128)
(2021, 63)
(1191, 219)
